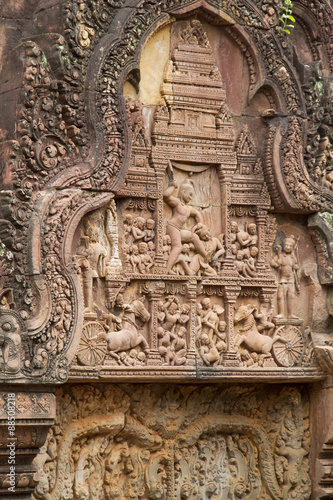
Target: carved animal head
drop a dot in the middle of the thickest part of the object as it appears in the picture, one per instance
(140, 311)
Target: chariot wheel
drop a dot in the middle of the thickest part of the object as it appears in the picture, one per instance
(92, 348)
(288, 350)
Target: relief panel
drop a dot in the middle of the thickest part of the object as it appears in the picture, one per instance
(176, 443)
(186, 272)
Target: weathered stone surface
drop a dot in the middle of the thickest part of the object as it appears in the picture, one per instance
(171, 442)
(166, 198)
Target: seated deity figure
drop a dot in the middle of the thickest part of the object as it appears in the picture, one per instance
(181, 213)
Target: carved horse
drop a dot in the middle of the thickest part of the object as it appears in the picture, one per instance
(129, 337)
(248, 333)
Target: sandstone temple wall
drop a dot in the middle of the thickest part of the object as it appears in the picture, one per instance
(166, 261)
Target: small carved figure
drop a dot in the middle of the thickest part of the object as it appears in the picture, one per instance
(138, 229)
(128, 235)
(211, 318)
(172, 313)
(181, 212)
(149, 233)
(184, 314)
(210, 352)
(181, 265)
(286, 262)
(151, 250)
(135, 258)
(249, 268)
(233, 237)
(145, 263)
(166, 246)
(180, 347)
(166, 348)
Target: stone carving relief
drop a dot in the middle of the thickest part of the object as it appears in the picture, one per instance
(187, 442)
(194, 270)
(176, 203)
(146, 238)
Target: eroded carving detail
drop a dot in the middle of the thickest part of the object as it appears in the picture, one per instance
(153, 443)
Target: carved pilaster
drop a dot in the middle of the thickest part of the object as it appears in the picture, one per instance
(154, 357)
(160, 264)
(230, 297)
(228, 265)
(191, 296)
(261, 220)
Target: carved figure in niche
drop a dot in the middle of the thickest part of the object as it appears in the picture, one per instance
(165, 345)
(180, 347)
(172, 313)
(126, 335)
(233, 238)
(249, 269)
(210, 318)
(98, 254)
(181, 213)
(10, 342)
(248, 333)
(247, 237)
(184, 314)
(134, 107)
(286, 262)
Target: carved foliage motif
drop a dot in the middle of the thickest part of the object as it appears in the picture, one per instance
(176, 443)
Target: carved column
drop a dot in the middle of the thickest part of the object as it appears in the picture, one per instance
(230, 297)
(154, 357)
(261, 221)
(159, 265)
(191, 295)
(228, 265)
